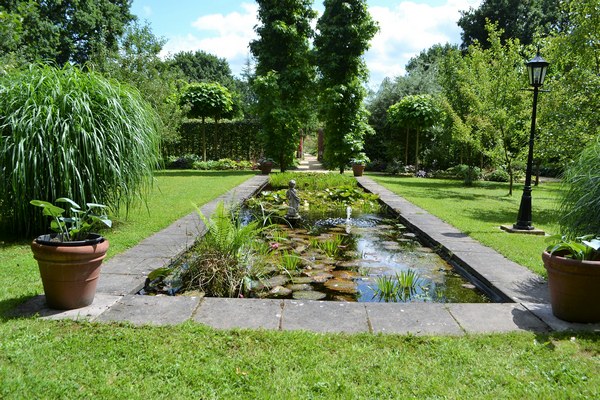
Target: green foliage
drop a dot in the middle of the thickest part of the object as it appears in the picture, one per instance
(68, 30)
(518, 19)
(138, 64)
(569, 120)
(398, 288)
(218, 266)
(417, 112)
(581, 248)
(200, 66)
(580, 206)
(284, 75)
(229, 139)
(206, 100)
(78, 223)
(69, 133)
(345, 30)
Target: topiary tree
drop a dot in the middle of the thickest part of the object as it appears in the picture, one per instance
(345, 30)
(66, 133)
(416, 112)
(207, 100)
(284, 75)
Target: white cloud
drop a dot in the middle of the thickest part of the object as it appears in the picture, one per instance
(407, 29)
(224, 35)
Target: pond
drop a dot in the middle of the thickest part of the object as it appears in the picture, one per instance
(359, 256)
(341, 254)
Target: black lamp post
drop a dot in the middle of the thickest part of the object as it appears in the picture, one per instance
(536, 68)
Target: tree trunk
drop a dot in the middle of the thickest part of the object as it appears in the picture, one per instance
(417, 153)
(203, 140)
(406, 149)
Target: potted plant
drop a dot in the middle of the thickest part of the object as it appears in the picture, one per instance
(69, 259)
(358, 164)
(574, 278)
(265, 165)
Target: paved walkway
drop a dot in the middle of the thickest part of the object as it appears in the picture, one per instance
(522, 295)
(310, 164)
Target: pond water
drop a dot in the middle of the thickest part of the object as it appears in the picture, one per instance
(364, 257)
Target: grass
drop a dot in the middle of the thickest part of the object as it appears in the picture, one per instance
(481, 209)
(65, 359)
(193, 361)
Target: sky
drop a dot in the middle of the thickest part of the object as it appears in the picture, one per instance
(226, 27)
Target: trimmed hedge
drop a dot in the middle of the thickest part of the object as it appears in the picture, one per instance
(229, 139)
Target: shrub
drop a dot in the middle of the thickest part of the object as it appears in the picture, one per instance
(67, 133)
(497, 175)
(580, 206)
(186, 161)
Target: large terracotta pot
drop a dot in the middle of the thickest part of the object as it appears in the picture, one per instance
(574, 288)
(265, 168)
(69, 271)
(358, 169)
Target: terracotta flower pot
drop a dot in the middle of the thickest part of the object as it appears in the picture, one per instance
(358, 169)
(265, 168)
(69, 272)
(574, 288)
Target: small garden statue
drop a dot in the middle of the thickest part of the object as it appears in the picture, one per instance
(293, 201)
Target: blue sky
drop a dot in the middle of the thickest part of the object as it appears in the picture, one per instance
(225, 27)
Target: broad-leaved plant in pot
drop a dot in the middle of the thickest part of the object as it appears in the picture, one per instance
(359, 163)
(70, 258)
(574, 277)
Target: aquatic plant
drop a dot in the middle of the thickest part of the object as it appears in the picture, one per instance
(290, 261)
(220, 262)
(401, 287)
(331, 247)
(311, 180)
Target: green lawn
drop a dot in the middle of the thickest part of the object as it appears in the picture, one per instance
(65, 359)
(481, 209)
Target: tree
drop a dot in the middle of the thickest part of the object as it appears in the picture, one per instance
(345, 30)
(138, 64)
(206, 100)
(200, 66)
(69, 30)
(418, 112)
(518, 19)
(284, 75)
(569, 119)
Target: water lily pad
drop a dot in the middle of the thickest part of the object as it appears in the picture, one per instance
(341, 285)
(280, 291)
(299, 287)
(310, 295)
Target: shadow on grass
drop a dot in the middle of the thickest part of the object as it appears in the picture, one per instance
(191, 173)
(9, 307)
(503, 217)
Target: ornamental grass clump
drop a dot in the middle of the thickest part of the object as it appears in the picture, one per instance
(580, 206)
(75, 134)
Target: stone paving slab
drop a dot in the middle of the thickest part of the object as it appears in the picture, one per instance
(36, 306)
(324, 316)
(120, 284)
(496, 317)
(152, 310)
(544, 312)
(239, 313)
(413, 318)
